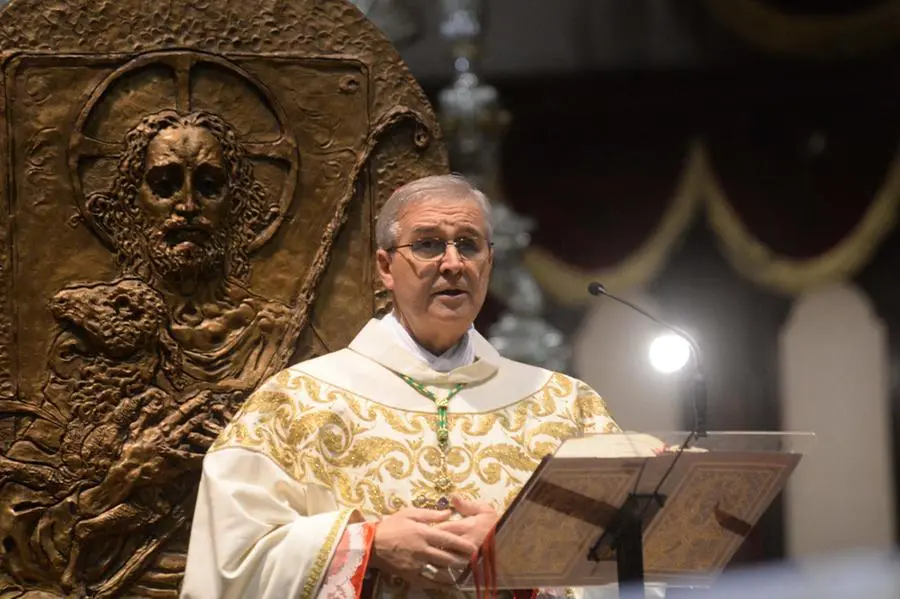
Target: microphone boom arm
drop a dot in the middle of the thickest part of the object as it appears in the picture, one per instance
(698, 380)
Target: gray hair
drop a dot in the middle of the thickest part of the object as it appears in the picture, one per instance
(441, 188)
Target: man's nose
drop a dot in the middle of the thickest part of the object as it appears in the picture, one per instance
(451, 261)
(186, 200)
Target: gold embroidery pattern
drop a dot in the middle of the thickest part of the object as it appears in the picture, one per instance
(324, 556)
(378, 459)
(592, 413)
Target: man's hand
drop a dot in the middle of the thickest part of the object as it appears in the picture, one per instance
(478, 518)
(409, 540)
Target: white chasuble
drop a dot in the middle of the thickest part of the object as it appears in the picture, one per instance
(292, 488)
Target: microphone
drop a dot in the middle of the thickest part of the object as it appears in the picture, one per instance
(698, 394)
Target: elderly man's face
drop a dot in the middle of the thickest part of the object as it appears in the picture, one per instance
(184, 198)
(439, 298)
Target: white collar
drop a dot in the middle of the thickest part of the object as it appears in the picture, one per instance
(380, 345)
(461, 354)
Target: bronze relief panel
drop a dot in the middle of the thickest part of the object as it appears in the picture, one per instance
(181, 226)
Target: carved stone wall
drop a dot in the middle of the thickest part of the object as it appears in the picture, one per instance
(188, 192)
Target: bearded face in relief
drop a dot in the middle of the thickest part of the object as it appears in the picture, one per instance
(185, 204)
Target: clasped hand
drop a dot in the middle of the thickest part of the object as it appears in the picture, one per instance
(407, 541)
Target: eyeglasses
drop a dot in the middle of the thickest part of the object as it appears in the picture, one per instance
(433, 248)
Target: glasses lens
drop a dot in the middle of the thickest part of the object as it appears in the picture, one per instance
(428, 249)
(469, 248)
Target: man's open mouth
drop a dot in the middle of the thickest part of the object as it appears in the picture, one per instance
(179, 235)
(450, 292)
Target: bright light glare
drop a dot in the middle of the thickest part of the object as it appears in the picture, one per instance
(669, 353)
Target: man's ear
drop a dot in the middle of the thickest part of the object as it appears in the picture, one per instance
(383, 260)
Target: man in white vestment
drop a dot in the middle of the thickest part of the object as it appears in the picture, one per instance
(374, 469)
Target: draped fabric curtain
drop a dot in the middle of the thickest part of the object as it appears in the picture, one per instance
(798, 192)
(761, 233)
(821, 28)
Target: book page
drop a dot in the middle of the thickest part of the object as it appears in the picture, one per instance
(611, 445)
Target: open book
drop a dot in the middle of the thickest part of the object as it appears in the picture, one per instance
(709, 500)
(627, 445)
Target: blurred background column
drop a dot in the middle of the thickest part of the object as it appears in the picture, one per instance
(474, 123)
